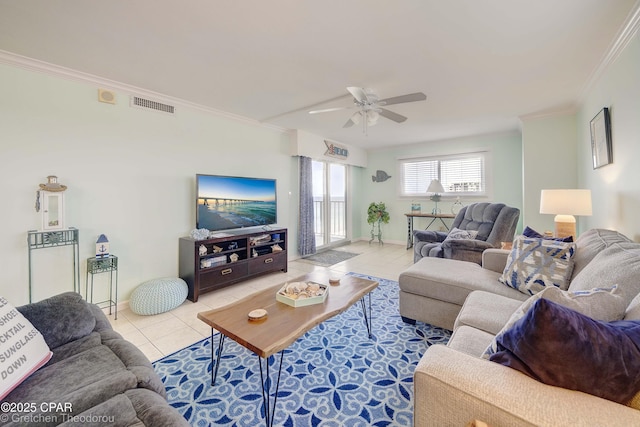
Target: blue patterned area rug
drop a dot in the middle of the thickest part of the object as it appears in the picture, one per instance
(334, 375)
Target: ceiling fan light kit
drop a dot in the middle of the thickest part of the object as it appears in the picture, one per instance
(369, 107)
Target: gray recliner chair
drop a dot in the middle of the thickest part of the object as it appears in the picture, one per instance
(494, 222)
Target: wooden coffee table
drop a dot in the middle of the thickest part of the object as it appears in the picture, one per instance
(283, 324)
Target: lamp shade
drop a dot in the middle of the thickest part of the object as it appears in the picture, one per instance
(435, 187)
(565, 202)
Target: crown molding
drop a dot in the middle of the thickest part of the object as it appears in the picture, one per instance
(620, 42)
(38, 66)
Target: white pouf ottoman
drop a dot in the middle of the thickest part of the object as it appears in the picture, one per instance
(158, 295)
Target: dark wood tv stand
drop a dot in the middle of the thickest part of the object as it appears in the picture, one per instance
(255, 253)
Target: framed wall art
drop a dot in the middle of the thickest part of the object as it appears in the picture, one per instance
(601, 149)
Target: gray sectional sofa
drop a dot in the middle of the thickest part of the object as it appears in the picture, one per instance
(105, 379)
(454, 384)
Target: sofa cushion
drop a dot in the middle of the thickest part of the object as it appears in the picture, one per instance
(561, 347)
(61, 319)
(469, 340)
(486, 311)
(618, 264)
(452, 281)
(600, 304)
(534, 264)
(591, 243)
(24, 350)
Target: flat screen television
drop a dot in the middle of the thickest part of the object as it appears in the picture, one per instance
(226, 202)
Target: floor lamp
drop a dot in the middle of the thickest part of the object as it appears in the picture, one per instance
(564, 204)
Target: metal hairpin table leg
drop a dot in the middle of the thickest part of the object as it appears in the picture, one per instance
(367, 319)
(214, 371)
(269, 411)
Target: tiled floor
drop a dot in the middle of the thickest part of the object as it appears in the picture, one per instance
(165, 333)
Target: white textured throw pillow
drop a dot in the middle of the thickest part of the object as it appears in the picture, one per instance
(23, 349)
(535, 264)
(607, 305)
(456, 233)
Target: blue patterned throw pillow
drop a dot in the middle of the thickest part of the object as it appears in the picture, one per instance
(530, 232)
(534, 264)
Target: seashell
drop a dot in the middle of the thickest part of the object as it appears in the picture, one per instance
(313, 287)
(303, 295)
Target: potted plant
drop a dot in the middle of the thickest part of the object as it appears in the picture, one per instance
(376, 214)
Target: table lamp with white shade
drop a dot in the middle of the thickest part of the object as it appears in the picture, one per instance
(435, 188)
(564, 204)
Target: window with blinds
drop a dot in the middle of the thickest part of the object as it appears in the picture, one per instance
(459, 175)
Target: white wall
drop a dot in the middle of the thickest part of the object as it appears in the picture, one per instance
(615, 187)
(504, 170)
(130, 175)
(548, 162)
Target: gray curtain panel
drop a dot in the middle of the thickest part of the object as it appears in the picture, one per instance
(306, 235)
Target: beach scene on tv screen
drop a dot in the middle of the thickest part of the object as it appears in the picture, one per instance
(235, 202)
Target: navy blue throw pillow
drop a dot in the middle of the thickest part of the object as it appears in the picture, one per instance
(561, 347)
(530, 232)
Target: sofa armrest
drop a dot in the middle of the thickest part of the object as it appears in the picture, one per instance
(429, 236)
(495, 259)
(465, 249)
(453, 388)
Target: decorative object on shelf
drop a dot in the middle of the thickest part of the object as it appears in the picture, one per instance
(216, 249)
(276, 248)
(199, 234)
(254, 253)
(102, 247)
(456, 206)
(257, 240)
(275, 237)
(435, 188)
(202, 250)
(376, 214)
(601, 145)
(233, 246)
(380, 176)
(416, 207)
(564, 204)
(50, 202)
(234, 257)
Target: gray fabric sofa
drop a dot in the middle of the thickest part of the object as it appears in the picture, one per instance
(105, 379)
(453, 384)
(494, 223)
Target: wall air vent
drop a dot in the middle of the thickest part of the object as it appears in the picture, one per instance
(148, 104)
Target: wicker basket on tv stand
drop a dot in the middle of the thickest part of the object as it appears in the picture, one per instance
(202, 279)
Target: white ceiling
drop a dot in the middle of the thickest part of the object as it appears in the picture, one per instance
(481, 63)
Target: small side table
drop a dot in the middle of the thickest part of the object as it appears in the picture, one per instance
(104, 265)
(433, 217)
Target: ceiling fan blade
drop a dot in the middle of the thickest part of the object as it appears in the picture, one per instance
(327, 110)
(412, 97)
(392, 116)
(358, 93)
(354, 119)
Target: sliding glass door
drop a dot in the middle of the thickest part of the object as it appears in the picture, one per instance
(329, 202)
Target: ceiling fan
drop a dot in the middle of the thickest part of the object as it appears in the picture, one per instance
(370, 107)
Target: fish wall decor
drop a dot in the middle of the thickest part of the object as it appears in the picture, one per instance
(380, 176)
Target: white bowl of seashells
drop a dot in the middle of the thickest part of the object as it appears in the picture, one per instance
(298, 294)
